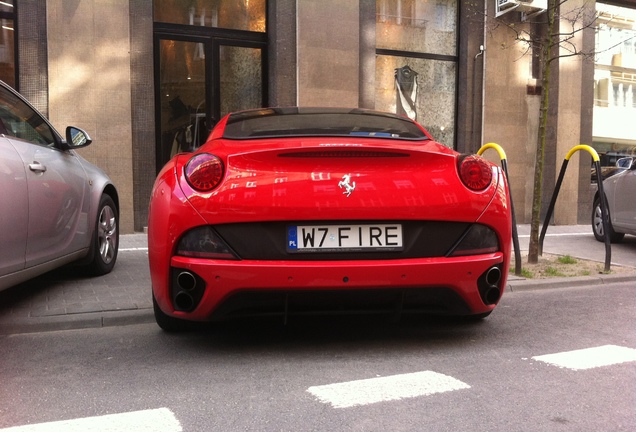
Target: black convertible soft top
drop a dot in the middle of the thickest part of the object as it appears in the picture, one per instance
(298, 122)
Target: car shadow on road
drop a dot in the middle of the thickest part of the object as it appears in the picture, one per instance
(330, 331)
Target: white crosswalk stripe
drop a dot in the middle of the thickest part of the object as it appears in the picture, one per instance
(155, 420)
(590, 357)
(373, 390)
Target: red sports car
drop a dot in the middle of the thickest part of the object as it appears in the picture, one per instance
(287, 211)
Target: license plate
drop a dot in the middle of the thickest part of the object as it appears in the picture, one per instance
(344, 238)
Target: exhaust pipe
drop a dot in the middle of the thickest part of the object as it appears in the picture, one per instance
(186, 281)
(184, 301)
(492, 295)
(488, 285)
(187, 289)
(493, 276)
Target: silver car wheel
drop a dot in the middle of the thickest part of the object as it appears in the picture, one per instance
(597, 225)
(598, 221)
(107, 234)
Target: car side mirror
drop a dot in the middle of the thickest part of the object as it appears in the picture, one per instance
(77, 138)
(625, 163)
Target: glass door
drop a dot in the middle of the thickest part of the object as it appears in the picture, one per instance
(199, 80)
(182, 97)
(240, 78)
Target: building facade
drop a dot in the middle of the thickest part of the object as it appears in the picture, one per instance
(148, 79)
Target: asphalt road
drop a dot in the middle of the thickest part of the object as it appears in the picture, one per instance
(346, 374)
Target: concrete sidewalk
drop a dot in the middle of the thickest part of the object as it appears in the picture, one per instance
(66, 299)
(576, 241)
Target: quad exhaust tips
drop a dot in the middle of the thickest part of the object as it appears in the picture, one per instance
(488, 284)
(187, 288)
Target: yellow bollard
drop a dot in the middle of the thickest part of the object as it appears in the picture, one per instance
(504, 166)
(599, 182)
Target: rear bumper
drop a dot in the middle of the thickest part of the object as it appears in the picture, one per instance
(226, 289)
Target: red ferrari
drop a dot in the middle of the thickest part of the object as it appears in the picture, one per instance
(288, 211)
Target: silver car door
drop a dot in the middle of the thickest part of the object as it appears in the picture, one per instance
(625, 200)
(58, 205)
(14, 209)
(56, 182)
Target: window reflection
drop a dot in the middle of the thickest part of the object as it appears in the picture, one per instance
(6, 6)
(241, 78)
(434, 103)
(7, 48)
(413, 85)
(417, 25)
(615, 83)
(229, 14)
(182, 84)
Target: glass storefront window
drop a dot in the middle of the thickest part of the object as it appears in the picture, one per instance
(230, 14)
(433, 99)
(182, 86)
(6, 6)
(7, 42)
(184, 117)
(428, 26)
(416, 62)
(7, 52)
(615, 83)
(241, 78)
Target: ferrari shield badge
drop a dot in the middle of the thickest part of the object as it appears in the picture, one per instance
(346, 184)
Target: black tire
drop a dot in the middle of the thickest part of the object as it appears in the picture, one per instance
(474, 318)
(170, 324)
(105, 243)
(597, 224)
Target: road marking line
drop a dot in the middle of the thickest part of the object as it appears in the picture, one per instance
(396, 387)
(155, 420)
(558, 234)
(590, 357)
(145, 249)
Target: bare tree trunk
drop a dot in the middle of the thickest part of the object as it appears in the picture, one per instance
(546, 50)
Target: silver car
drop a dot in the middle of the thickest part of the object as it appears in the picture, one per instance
(55, 207)
(620, 190)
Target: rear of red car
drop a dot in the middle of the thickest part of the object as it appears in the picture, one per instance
(301, 211)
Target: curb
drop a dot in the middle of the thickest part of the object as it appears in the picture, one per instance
(521, 284)
(78, 321)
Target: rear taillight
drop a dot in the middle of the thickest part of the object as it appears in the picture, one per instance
(204, 172)
(475, 172)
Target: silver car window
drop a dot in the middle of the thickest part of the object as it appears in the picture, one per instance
(19, 120)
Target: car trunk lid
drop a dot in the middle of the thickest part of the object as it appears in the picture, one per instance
(346, 181)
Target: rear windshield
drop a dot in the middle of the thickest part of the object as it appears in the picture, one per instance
(289, 122)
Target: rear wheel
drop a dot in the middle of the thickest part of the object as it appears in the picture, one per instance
(597, 225)
(105, 243)
(474, 318)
